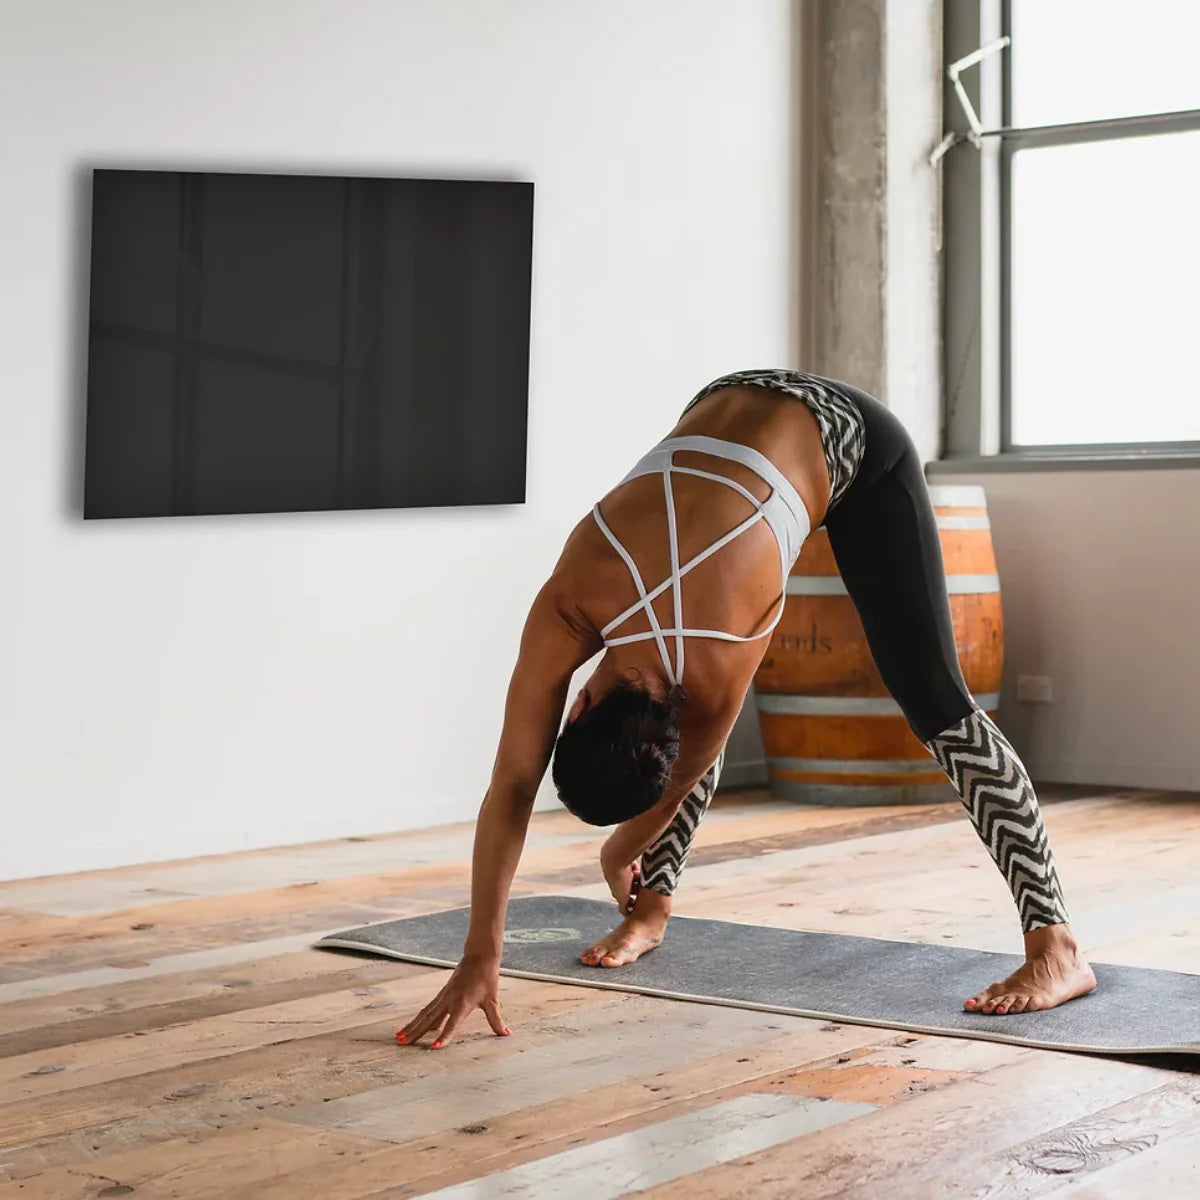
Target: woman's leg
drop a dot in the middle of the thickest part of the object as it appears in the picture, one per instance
(663, 862)
(887, 550)
(642, 929)
(885, 540)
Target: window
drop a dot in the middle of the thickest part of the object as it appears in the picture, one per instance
(1103, 303)
(1082, 60)
(1089, 279)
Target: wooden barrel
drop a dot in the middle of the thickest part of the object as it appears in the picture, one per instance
(831, 732)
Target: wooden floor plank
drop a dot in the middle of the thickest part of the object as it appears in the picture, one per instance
(167, 1028)
(28, 1077)
(612, 1118)
(234, 990)
(644, 1035)
(907, 1147)
(669, 1149)
(1168, 1169)
(164, 911)
(59, 944)
(1081, 1149)
(213, 1167)
(170, 1101)
(888, 1074)
(65, 951)
(158, 965)
(125, 889)
(128, 993)
(504, 1141)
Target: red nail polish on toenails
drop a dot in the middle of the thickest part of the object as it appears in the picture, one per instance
(507, 1031)
(402, 1038)
(437, 1045)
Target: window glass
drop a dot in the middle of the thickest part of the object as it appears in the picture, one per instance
(1105, 292)
(1081, 60)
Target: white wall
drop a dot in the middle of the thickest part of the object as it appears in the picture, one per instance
(176, 687)
(1100, 571)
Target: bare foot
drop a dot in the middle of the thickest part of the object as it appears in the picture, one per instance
(1054, 972)
(639, 933)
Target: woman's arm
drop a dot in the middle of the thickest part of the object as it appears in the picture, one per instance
(626, 844)
(699, 747)
(552, 648)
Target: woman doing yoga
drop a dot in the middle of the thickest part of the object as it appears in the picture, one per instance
(718, 512)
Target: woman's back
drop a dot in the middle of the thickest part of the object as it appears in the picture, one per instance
(738, 588)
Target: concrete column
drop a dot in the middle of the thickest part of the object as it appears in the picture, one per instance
(872, 100)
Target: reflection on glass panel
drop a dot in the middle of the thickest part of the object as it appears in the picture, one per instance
(1106, 292)
(1079, 60)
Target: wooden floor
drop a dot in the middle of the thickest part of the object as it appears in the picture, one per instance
(166, 1031)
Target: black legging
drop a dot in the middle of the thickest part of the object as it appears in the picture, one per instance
(885, 540)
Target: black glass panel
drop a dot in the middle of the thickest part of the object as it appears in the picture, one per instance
(278, 343)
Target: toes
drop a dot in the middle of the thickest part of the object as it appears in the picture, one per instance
(1001, 1000)
(610, 953)
(1004, 1006)
(623, 953)
(593, 954)
(986, 1000)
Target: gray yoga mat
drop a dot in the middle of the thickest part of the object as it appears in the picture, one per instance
(866, 981)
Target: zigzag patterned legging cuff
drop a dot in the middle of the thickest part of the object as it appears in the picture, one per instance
(663, 863)
(996, 791)
(1000, 799)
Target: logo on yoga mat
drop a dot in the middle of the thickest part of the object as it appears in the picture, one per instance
(542, 935)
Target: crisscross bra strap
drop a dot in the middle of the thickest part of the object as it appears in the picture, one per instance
(782, 510)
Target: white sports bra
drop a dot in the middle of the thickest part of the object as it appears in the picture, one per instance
(782, 510)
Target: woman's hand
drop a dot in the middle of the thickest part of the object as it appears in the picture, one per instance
(475, 983)
(624, 880)
(626, 844)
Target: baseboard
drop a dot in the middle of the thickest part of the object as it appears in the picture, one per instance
(66, 855)
(751, 772)
(1120, 775)
(142, 847)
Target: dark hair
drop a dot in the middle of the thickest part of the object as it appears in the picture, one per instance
(614, 761)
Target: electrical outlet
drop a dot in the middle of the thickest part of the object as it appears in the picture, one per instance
(1035, 689)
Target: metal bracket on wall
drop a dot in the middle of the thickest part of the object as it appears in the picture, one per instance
(1100, 129)
(953, 72)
